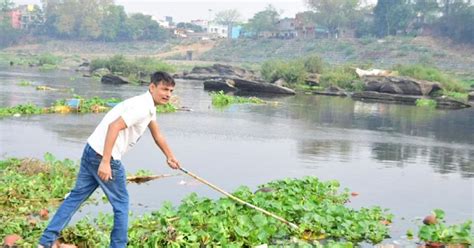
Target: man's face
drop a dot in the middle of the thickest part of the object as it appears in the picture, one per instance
(162, 93)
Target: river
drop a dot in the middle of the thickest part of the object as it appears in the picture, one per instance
(404, 158)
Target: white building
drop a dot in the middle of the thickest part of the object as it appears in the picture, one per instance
(217, 30)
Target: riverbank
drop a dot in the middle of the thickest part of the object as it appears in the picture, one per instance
(383, 53)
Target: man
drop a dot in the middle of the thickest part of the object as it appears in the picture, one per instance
(118, 131)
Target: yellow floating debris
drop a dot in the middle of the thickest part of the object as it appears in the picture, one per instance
(44, 87)
(61, 109)
(97, 108)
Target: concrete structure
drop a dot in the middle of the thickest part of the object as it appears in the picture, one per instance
(286, 28)
(217, 30)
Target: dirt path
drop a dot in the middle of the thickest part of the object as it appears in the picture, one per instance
(180, 50)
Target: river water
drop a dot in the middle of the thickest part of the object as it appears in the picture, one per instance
(407, 159)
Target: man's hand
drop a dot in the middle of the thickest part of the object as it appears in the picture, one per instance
(173, 163)
(104, 172)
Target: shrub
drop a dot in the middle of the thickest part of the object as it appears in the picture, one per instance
(344, 77)
(293, 72)
(48, 59)
(431, 74)
(313, 64)
(119, 64)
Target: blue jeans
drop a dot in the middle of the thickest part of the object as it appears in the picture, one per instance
(86, 183)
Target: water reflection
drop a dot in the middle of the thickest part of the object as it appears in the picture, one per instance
(444, 125)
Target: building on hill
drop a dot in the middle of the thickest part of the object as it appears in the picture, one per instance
(286, 29)
(217, 30)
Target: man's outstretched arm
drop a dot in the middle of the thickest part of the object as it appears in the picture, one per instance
(161, 143)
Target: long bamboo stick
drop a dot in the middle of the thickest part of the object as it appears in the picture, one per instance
(237, 199)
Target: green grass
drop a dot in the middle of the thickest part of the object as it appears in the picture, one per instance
(423, 72)
(462, 97)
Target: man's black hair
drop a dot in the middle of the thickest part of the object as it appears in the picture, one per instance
(162, 77)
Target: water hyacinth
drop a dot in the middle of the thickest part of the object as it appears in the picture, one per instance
(220, 99)
(77, 104)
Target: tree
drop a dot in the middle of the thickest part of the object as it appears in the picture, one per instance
(142, 27)
(113, 23)
(333, 14)
(6, 5)
(457, 20)
(191, 26)
(228, 18)
(263, 21)
(391, 16)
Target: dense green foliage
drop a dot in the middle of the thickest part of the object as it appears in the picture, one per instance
(391, 16)
(316, 206)
(262, 21)
(28, 186)
(98, 20)
(334, 14)
(28, 109)
(442, 234)
(292, 71)
(341, 76)
(220, 99)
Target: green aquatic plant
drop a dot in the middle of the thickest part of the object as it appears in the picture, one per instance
(220, 99)
(28, 188)
(423, 102)
(24, 83)
(166, 108)
(436, 232)
(21, 109)
(318, 208)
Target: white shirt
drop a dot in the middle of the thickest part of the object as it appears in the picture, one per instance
(137, 112)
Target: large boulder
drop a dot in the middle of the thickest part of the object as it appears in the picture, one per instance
(400, 85)
(372, 96)
(114, 79)
(100, 72)
(262, 87)
(225, 85)
(313, 79)
(231, 78)
(470, 97)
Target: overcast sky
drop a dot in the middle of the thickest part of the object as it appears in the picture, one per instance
(186, 10)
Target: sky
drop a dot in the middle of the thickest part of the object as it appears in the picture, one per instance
(186, 10)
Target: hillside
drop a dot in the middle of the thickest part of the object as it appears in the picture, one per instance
(382, 53)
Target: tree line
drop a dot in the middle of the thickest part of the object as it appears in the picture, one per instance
(102, 20)
(451, 18)
(97, 20)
